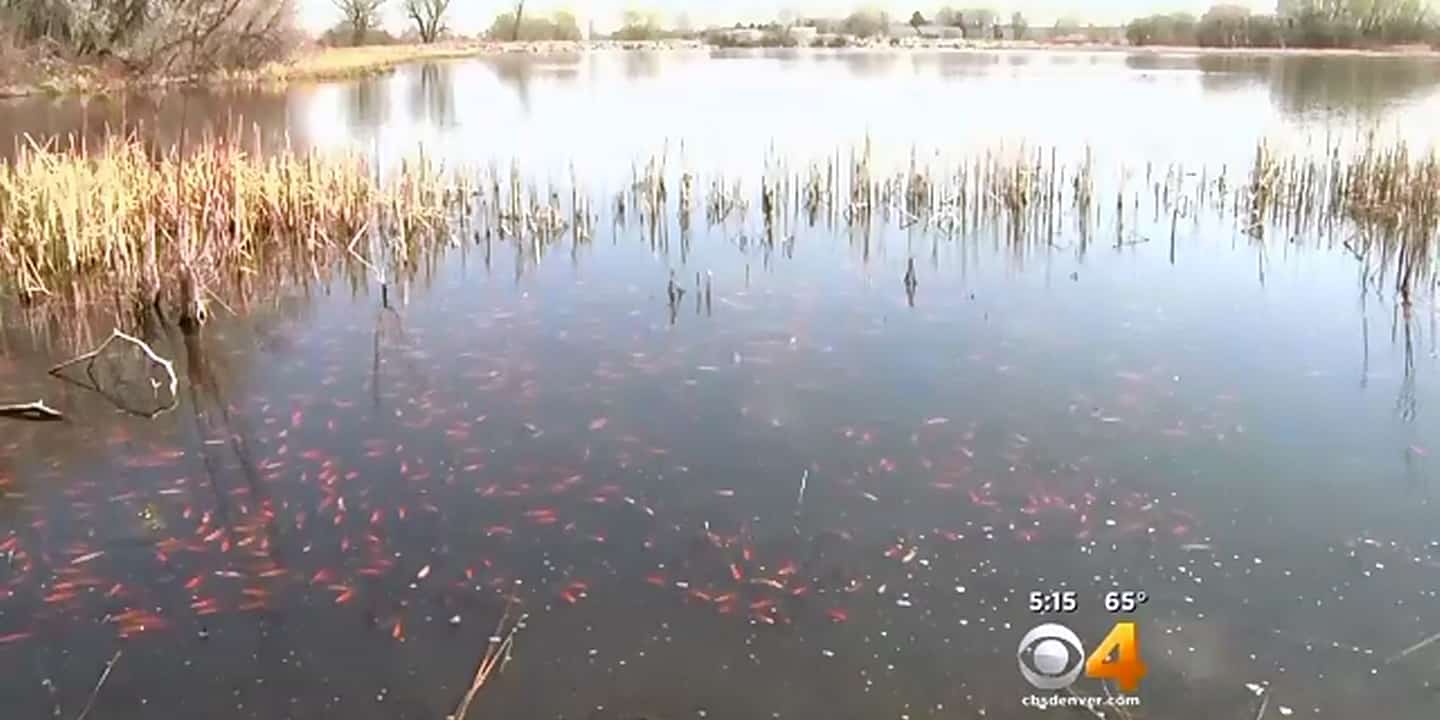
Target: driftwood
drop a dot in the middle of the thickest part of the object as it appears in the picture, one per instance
(89, 360)
(37, 411)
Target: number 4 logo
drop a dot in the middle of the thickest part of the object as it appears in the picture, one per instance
(1118, 658)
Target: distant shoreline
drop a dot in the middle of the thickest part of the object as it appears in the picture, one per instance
(328, 64)
(563, 47)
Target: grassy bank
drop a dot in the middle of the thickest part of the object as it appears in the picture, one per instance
(30, 74)
(24, 73)
(334, 63)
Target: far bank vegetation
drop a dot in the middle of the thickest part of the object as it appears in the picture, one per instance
(1354, 24)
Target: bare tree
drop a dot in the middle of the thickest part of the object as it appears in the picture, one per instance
(519, 17)
(361, 16)
(158, 36)
(429, 17)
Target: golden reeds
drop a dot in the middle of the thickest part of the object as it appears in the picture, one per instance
(125, 212)
(340, 63)
(143, 221)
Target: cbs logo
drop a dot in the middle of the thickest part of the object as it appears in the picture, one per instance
(1052, 657)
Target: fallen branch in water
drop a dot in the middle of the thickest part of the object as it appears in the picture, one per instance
(37, 411)
(96, 692)
(90, 357)
(496, 654)
(1417, 647)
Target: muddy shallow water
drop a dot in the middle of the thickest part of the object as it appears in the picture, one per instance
(330, 521)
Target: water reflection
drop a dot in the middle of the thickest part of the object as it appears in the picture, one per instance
(1306, 86)
(799, 100)
(1303, 86)
(367, 108)
(161, 115)
(642, 65)
(868, 65)
(520, 73)
(966, 64)
(515, 73)
(432, 97)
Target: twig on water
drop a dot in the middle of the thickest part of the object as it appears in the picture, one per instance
(800, 500)
(377, 272)
(37, 411)
(221, 302)
(90, 358)
(116, 334)
(1417, 647)
(497, 653)
(1264, 704)
(96, 692)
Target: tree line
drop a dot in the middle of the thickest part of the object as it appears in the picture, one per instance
(177, 37)
(1296, 23)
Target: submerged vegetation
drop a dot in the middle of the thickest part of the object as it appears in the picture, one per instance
(161, 226)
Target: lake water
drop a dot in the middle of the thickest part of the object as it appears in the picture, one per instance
(799, 493)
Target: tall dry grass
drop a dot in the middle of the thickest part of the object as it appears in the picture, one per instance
(339, 63)
(136, 215)
(180, 220)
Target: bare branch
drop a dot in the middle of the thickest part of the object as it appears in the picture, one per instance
(429, 17)
(89, 360)
(37, 410)
(361, 16)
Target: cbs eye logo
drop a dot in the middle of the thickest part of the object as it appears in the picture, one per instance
(1052, 657)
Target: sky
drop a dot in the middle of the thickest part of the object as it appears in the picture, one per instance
(470, 16)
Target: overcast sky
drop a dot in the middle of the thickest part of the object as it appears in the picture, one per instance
(469, 16)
